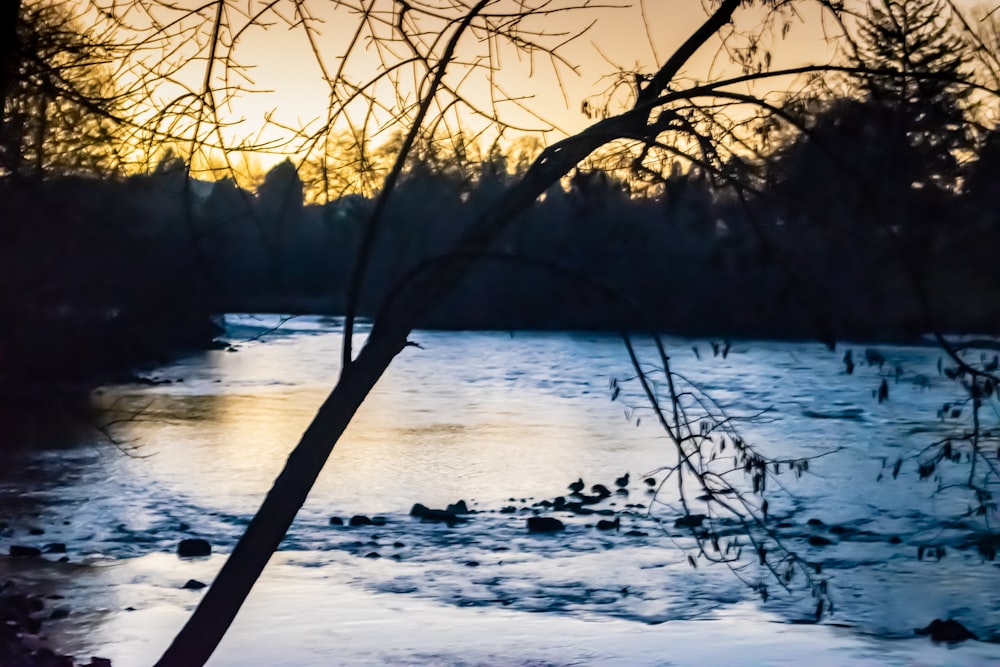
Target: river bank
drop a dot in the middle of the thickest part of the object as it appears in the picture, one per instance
(26, 619)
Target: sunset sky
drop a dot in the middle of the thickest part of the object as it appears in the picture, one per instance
(280, 61)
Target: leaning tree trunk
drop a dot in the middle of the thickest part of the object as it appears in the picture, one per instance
(210, 621)
(204, 630)
(202, 633)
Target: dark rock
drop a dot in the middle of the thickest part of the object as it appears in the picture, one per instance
(895, 539)
(378, 520)
(183, 526)
(54, 660)
(398, 545)
(194, 585)
(839, 530)
(472, 563)
(636, 533)
(98, 662)
(947, 631)
(606, 512)
(428, 514)
(650, 481)
(815, 522)
(690, 521)
(604, 524)
(35, 531)
(16, 604)
(54, 548)
(58, 613)
(458, 508)
(336, 521)
(373, 555)
(23, 551)
(194, 547)
(510, 509)
(544, 524)
(819, 541)
(578, 508)
(600, 490)
(359, 520)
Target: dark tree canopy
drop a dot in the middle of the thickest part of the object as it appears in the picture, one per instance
(60, 105)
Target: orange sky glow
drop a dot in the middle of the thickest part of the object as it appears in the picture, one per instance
(286, 89)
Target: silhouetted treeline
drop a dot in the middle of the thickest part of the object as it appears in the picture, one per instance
(101, 274)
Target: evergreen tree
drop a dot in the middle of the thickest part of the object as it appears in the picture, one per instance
(921, 105)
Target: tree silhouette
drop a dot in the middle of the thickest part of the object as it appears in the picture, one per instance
(921, 105)
(60, 106)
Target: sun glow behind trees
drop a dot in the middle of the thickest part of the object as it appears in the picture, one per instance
(272, 89)
(335, 89)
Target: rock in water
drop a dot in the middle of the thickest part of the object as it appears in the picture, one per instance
(947, 631)
(690, 521)
(22, 551)
(544, 524)
(359, 520)
(427, 514)
(194, 585)
(605, 524)
(194, 547)
(458, 508)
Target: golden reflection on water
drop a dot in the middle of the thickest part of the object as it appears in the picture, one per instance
(421, 436)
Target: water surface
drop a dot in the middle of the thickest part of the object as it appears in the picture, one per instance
(502, 421)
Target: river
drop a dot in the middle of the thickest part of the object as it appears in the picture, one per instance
(500, 420)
